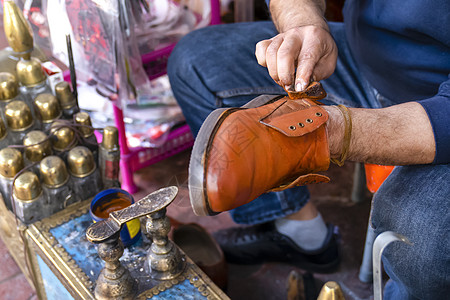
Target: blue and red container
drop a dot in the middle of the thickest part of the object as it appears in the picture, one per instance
(111, 200)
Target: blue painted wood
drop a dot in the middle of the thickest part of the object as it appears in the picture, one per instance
(54, 289)
(72, 237)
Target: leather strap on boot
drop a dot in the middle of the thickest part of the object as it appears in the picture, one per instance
(302, 180)
(299, 122)
(302, 119)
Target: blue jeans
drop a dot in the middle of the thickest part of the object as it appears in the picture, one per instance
(216, 67)
(414, 201)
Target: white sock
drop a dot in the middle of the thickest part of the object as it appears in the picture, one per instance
(308, 234)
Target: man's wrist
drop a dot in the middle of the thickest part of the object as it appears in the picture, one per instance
(295, 22)
(316, 22)
(287, 15)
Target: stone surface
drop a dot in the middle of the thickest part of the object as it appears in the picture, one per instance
(16, 288)
(9, 267)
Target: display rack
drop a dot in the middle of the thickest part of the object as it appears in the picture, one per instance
(179, 139)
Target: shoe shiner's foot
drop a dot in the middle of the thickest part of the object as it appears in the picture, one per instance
(263, 243)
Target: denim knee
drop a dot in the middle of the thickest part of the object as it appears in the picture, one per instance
(189, 77)
(187, 51)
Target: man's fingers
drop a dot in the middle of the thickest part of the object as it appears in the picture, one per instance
(271, 57)
(286, 59)
(260, 52)
(308, 50)
(307, 60)
(325, 67)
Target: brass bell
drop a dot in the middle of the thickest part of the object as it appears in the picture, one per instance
(30, 72)
(48, 107)
(37, 147)
(64, 95)
(110, 139)
(11, 162)
(62, 136)
(27, 186)
(53, 171)
(9, 88)
(18, 115)
(83, 118)
(17, 30)
(81, 161)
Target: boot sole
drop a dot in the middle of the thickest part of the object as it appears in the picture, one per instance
(199, 157)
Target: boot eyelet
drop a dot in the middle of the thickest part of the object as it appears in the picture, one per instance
(309, 120)
(318, 114)
(301, 125)
(292, 127)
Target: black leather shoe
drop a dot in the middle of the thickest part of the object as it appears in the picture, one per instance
(263, 243)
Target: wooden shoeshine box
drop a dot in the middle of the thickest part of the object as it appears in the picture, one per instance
(64, 265)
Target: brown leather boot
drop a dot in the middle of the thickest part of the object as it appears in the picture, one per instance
(270, 144)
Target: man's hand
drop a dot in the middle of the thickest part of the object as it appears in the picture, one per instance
(298, 55)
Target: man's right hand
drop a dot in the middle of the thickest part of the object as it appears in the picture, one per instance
(298, 55)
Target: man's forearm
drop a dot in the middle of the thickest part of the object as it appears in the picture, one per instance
(287, 14)
(396, 135)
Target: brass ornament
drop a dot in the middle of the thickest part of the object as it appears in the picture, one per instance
(11, 162)
(48, 107)
(18, 115)
(53, 171)
(331, 291)
(27, 186)
(115, 281)
(37, 147)
(30, 72)
(81, 161)
(110, 139)
(64, 95)
(62, 136)
(83, 118)
(17, 30)
(9, 88)
(164, 259)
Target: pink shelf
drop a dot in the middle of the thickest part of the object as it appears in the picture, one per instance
(180, 139)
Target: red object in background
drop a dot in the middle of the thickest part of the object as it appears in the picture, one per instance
(92, 31)
(376, 175)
